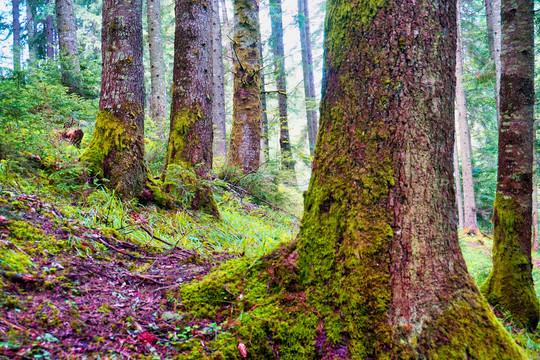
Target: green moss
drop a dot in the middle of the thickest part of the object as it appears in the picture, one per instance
(509, 286)
(181, 128)
(459, 335)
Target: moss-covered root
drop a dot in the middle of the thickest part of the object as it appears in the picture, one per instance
(509, 286)
(269, 308)
(116, 153)
(204, 201)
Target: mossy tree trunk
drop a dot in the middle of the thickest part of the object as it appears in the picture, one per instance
(265, 138)
(69, 52)
(278, 50)
(49, 36)
(376, 271)
(510, 284)
(116, 151)
(191, 134)
(244, 150)
(307, 69)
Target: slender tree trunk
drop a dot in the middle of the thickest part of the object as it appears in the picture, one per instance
(158, 101)
(218, 99)
(191, 135)
(31, 29)
(535, 205)
(307, 68)
(69, 46)
(116, 151)
(376, 271)
(278, 51)
(228, 36)
(244, 151)
(459, 191)
(49, 35)
(493, 15)
(510, 284)
(265, 140)
(16, 37)
(470, 223)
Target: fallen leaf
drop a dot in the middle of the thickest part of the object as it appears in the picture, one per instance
(243, 349)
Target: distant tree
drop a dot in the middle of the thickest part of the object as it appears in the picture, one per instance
(49, 35)
(510, 283)
(459, 189)
(218, 97)
(69, 46)
(470, 223)
(31, 30)
(244, 150)
(493, 15)
(158, 100)
(265, 138)
(307, 69)
(278, 51)
(16, 36)
(191, 135)
(116, 151)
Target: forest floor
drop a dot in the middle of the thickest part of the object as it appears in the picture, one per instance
(86, 281)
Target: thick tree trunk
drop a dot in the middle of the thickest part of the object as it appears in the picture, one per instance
(307, 68)
(510, 284)
(493, 15)
(49, 35)
(158, 101)
(244, 151)
(470, 223)
(459, 191)
(117, 148)
(278, 51)
(16, 37)
(377, 272)
(69, 51)
(31, 30)
(191, 135)
(218, 99)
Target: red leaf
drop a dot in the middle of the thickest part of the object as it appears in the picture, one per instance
(147, 338)
(243, 349)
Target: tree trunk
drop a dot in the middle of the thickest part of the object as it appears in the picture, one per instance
(469, 212)
(265, 140)
(49, 35)
(228, 36)
(69, 51)
(307, 68)
(191, 135)
(158, 101)
(116, 151)
(244, 151)
(459, 192)
(493, 15)
(218, 99)
(510, 284)
(278, 51)
(377, 271)
(16, 37)
(31, 29)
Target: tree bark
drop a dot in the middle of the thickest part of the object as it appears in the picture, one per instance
(229, 36)
(377, 271)
(307, 68)
(31, 29)
(459, 191)
(191, 134)
(116, 151)
(278, 51)
(469, 212)
(158, 101)
(49, 35)
(218, 99)
(69, 46)
(16, 37)
(493, 15)
(244, 151)
(510, 284)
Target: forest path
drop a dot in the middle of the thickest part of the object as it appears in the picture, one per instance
(88, 292)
